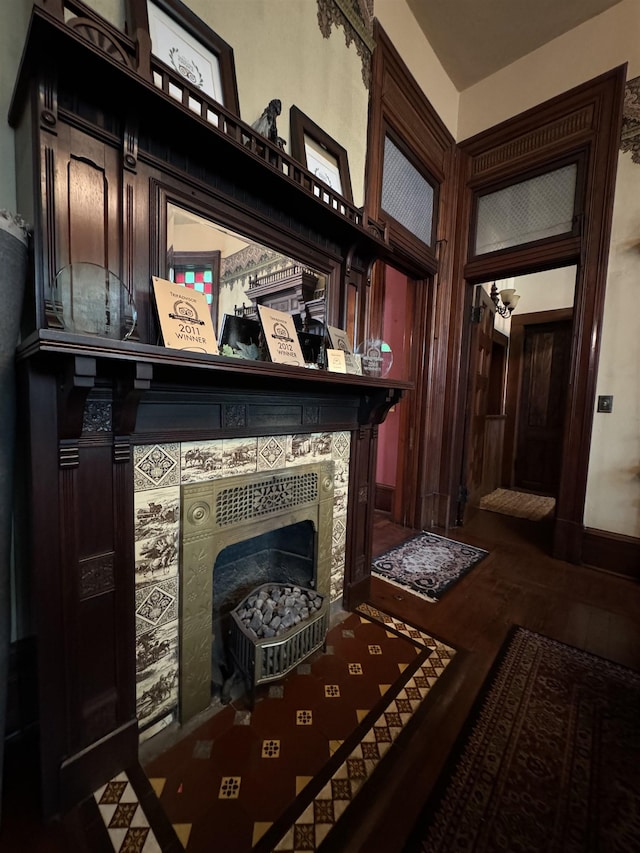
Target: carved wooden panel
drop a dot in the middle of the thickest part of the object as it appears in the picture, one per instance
(539, 140)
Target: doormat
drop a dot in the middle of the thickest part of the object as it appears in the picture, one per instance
(549, 758)
(518, 504)
(427, 565)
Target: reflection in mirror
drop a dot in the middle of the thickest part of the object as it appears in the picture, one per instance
(237, 274)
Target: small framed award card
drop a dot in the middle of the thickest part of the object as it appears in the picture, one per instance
(185, 318)
(336, 362)
(339, 339)
(280, 334)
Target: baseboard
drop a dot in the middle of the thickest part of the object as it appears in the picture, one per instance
(612, 552)
(84, 772)
(384, 497)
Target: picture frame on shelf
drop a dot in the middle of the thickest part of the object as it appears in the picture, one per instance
(240, 337)
(319, 153)
(189, 47)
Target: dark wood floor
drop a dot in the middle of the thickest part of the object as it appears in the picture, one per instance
(517, 583)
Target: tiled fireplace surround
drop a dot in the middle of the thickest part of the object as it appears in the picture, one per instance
(160, 471)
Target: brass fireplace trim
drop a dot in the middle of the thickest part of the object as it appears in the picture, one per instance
(220, 513)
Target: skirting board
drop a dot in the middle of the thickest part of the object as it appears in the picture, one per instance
(612, 552)
(384, 497)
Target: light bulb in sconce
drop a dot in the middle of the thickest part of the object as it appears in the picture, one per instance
(508, 297)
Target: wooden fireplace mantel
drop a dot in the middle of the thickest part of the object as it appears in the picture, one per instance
(104, 151)
(140, 375)
(84, 404)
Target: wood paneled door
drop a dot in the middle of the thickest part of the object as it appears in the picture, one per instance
(481, 347)
(537, 390)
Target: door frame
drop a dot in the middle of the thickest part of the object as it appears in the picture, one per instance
(585, 123)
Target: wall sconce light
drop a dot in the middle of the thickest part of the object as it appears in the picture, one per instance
(508, 297)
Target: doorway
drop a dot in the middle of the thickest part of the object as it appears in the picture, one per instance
(519, 373)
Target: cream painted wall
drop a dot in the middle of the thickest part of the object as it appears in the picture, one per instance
(400, 25)
(280, 53)
(613, 489)
(542, 291)
(598, 45)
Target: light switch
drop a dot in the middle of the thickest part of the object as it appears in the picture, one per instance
(605, 403)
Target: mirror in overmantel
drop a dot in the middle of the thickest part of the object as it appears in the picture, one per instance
(237, 274)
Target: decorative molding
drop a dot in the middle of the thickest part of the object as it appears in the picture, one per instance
(99, 37)
(574, 124)
(97, 416)
(356, 19)
(630, 137)
(612, 552)
(311, 415)
(68, 454)
(234, 415)
(122, 451)
(96, 575)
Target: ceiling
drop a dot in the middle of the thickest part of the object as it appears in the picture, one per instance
(475, 38)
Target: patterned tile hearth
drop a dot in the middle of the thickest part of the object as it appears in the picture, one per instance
(279, 777)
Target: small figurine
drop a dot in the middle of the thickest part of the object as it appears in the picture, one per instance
(266, 124)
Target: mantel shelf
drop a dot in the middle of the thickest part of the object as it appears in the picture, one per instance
(197, 368)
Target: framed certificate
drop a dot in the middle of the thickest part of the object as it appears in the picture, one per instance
(280, 336)
(183, 42)
(319, 153)
(184, 317)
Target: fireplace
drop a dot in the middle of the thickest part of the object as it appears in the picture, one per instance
(214, 519)
(111, 431)
(237, 511)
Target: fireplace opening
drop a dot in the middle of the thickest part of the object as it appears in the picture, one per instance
(293, 509)
(286, 555)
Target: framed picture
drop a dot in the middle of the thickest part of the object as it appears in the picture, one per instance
(319, 153)
(185, 44)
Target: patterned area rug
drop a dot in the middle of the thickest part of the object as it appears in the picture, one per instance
(518, 504)
(427, 565)
(550, 759)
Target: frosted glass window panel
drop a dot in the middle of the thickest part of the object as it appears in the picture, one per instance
(406, 194)
(531, 210)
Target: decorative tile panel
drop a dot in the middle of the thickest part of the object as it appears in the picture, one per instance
(201, 461)
(156, 465)
(341, 446)
(303, 448)
(239, 456)
(271, 452)
(156, 532)
(156, 604)
(156, 667)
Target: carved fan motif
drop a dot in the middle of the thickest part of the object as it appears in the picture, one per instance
(100, 38)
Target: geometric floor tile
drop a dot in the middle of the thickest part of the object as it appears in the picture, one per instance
(279, 775)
